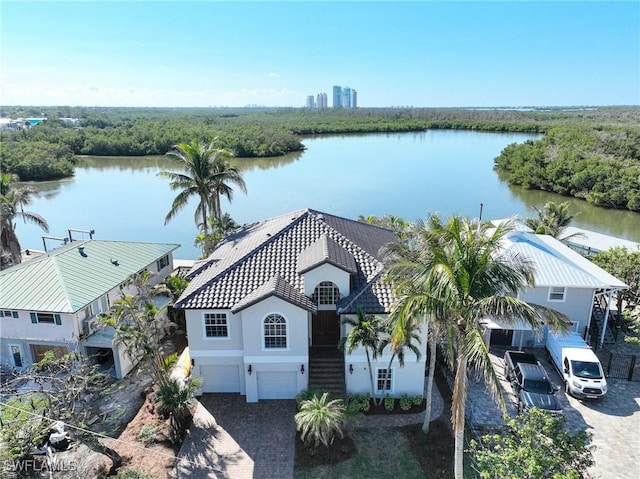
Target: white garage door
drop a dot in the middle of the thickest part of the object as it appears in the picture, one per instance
(220, 379)
(277, 384)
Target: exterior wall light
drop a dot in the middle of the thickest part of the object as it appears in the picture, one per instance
(249, 369)
(350, 368)
(302, 369)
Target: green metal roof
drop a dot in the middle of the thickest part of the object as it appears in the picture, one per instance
(69, 278)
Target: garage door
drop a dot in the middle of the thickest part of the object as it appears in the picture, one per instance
(220, 379)
(277, 384)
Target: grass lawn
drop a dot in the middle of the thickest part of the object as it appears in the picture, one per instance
(381, 453)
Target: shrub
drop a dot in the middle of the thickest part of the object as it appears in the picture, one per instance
(320, 420)
(147, 434)
(307, 394)
(389, 403)
(417, 400)
(405, 402)
(360, 402)
(133, 474)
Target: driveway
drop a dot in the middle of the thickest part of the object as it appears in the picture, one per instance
(230, 438)
(613, 420)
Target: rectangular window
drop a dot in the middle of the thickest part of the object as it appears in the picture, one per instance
(9, 314)
(162, 262)
(384, 383)
(49, 318)
(215, 325)
(556, 293)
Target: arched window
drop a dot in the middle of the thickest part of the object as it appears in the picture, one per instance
(275, 332)
(326, 293)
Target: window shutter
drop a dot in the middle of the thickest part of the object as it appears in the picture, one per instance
(34, 318)
(58, 319)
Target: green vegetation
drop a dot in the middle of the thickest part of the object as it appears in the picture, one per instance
(320, 420)
(625, 265)
(207, 174)
(452, 271)
(551, 219)
(379, 455)
(13, 199)
(364, 331)
(536, 445)
(48, 150)
(598, 164)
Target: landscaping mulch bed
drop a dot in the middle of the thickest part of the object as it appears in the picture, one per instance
(340, 450)
(375, 410)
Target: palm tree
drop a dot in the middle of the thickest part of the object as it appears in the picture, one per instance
(219, 228)
(365, 332)
(13, 199)
(320, 419)
(551, 220)
(462, 277)
(399, 340)
(206, 175)
(223, 175)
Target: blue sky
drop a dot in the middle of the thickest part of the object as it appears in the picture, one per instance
(418, 53)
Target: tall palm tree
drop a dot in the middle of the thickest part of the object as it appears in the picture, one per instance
(551, 219)
(13, 199)
(206, 175)
(365, 332)
(462, 277)
(223, 176)
(399, 340)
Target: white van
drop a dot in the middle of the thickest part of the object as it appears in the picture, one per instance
(577, 364)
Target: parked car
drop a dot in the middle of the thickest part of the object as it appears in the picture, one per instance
(512, 358)
(578, 365)
(534, 389)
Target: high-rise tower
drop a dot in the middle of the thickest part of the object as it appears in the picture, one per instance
(337, 96)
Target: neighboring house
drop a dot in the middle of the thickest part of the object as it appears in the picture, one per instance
(564, 281)
(589, 243)
(270, 299)
(52, 302)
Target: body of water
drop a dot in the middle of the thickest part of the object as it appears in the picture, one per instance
(406, 174)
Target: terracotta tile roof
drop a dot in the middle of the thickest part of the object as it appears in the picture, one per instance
(279, 288)
(248, 259)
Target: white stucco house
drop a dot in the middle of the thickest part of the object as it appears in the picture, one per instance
(564, 281)
(270, 299)
(52, 302)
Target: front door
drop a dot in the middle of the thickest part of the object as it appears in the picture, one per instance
(325, 328)
(16, 355)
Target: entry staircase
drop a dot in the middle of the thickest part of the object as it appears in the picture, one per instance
(597, 322)
(326, 371)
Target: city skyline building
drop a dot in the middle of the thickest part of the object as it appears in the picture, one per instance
(310, 102)
(337, 96)
(346, 97)
(343, 97)
(321, 101)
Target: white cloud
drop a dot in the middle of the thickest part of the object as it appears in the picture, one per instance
(272, 75)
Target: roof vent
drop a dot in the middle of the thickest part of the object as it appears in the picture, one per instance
(321, 217)
(115, 262)
(81, 251)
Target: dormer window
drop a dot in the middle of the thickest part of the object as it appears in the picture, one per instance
(326, 293)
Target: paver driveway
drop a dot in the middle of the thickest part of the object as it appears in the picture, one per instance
(233, 439)
(614, 420)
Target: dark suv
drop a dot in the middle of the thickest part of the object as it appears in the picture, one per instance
(533, 388)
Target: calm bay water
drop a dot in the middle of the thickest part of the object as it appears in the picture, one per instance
(407, 174)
